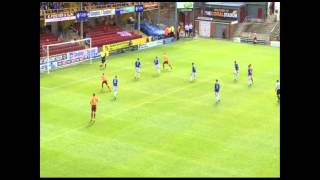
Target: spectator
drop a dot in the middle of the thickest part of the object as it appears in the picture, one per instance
(172, 31)
(178, 34)
(190, 29)
(166, 31)
(224, 34)
(186, 30)
(255, 38)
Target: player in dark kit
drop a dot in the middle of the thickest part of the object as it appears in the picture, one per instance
(236, 70)
(250, 79)
(115, 86)
(103, 60)
(137, 65)
(157, 64)
(278, 89)
(217, 91)
(193, 73)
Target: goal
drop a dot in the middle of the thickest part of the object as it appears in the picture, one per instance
(54, 56)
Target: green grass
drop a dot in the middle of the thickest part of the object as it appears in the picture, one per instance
(165, 126)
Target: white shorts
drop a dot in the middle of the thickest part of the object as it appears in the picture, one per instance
(137, 70)
(236, 72)
(115, 88)
(157, 66)
(193, 73)
(216, 93)
(249, 77)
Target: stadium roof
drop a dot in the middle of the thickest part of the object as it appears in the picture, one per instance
(234, 4)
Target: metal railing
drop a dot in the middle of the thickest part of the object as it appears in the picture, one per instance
(252, 19)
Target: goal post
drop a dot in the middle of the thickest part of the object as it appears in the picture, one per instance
(54, 56)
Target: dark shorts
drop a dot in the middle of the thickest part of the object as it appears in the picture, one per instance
(255, 40)
(93, 108)
(103, 59)
(105, 82)
(165, 62)
(278, 92)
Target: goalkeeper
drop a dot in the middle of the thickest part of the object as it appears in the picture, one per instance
(104, 55)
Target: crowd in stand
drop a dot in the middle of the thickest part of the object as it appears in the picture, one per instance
(95, 3)
(51, 5)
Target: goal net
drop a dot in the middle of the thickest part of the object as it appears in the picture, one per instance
(55, 56)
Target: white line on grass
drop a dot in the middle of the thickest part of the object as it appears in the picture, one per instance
(132, 107)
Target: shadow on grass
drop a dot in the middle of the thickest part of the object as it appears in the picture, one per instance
(91, 123)
(216, 104)
(135, 80)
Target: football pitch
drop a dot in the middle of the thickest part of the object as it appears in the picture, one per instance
(165, 126)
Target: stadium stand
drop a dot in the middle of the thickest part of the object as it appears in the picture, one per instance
(103, 34)
(51, 5)
(151, 29)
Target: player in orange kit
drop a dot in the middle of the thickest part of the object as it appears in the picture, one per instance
(93, 102)
(166, 61)
(104, 81)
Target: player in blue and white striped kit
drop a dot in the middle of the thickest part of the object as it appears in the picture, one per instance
(137, 65)
(115, 86)
(157, 65)
(236, 70)
(193, 73)
(217, 91)
(250, 79)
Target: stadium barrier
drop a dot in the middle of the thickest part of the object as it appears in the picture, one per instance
(76, 57)
(137, 42)
(237, 39)
(275, 44)
(150, 44)
(116, 46)
(67, 59)
(168, 40)
(124, 46)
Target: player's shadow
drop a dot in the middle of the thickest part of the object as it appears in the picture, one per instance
(91, 123)
(166, 70)
(135, 80)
